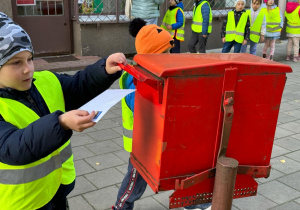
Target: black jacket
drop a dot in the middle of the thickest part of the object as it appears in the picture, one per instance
(237, 16)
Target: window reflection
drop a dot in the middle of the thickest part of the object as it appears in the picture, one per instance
(42, 8)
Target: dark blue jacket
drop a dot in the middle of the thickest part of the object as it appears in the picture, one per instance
(42, 137)
(205, 14)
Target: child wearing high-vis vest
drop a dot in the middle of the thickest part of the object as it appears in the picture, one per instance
(150, 39)
(292, 15)
(174, 22)
(274, 25)
(258, 26)
(201, 26)
(38, 111)
(236, 28)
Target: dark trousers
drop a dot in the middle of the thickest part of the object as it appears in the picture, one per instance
(60, 201)
(195, 39)
(176, 48)
(228, 45)
(132, 188)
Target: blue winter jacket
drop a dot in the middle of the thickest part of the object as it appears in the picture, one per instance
(130, 97)
(179, 17)
(205, 14)
(45, 135)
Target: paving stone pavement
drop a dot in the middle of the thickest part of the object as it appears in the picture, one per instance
(97, 184)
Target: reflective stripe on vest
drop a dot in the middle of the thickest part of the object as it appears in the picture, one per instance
(255, 27)
(235, 33)
(293, 22)
(198, 18)
(127, 117)
(273, 20)
(33, 185)
(169, 19)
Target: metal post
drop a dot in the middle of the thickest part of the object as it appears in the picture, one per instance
(226, 171)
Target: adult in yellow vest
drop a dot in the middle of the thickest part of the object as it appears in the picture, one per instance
(274, 25)
(258, 26)
(36, 161)
(201, 26)
(236, 28)
(174, 22)
(292, 15)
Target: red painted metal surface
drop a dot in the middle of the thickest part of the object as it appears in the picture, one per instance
(178, 119)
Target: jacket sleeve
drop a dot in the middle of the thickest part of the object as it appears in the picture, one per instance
(179, 20)
(281, 20)
(263, 27)
(37, 140)
(130, 97)
(205, 14)
(223, 29)
(247, 29)
(86, 84)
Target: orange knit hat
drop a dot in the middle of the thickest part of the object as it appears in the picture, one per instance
(153, 39)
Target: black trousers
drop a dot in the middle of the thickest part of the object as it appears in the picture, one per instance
(60, 201)
(195, 39)
(176, 48)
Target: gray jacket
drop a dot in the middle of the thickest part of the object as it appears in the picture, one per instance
(146, 8)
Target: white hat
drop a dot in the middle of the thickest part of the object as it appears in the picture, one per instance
(238, 1)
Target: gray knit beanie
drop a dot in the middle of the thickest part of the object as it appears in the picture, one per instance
(13, 39)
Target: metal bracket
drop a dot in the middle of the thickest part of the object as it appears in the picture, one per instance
(227, 122)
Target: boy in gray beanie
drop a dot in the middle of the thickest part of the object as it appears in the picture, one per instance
(38, 111)
(13, 39)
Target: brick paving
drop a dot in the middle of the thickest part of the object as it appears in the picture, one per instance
(97, 184)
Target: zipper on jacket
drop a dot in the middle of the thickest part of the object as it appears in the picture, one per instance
(30, 99)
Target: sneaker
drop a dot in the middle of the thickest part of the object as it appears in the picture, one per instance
(289, 58)
(264, 55)
(296, 59)
(271, 57)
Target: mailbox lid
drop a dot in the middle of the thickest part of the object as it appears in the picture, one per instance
(168, 65)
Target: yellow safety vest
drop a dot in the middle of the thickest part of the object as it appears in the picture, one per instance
(31, 186)
(169, 19)
(127, 117)
(255, 27)
(273, 20)
(293, 22)
(235, 33)
(198, 18)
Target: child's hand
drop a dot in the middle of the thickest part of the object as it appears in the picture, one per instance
(112, 60)
(244, 42)
(169, 27)
(223, 40)
(77, 120)
(262, 38)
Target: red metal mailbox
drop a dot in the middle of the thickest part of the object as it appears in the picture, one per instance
(180, 120)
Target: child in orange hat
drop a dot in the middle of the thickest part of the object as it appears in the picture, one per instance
(150, 39)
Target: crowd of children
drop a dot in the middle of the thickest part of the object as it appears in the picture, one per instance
(262, 23)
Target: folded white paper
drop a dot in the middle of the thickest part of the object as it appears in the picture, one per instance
(103, 102)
